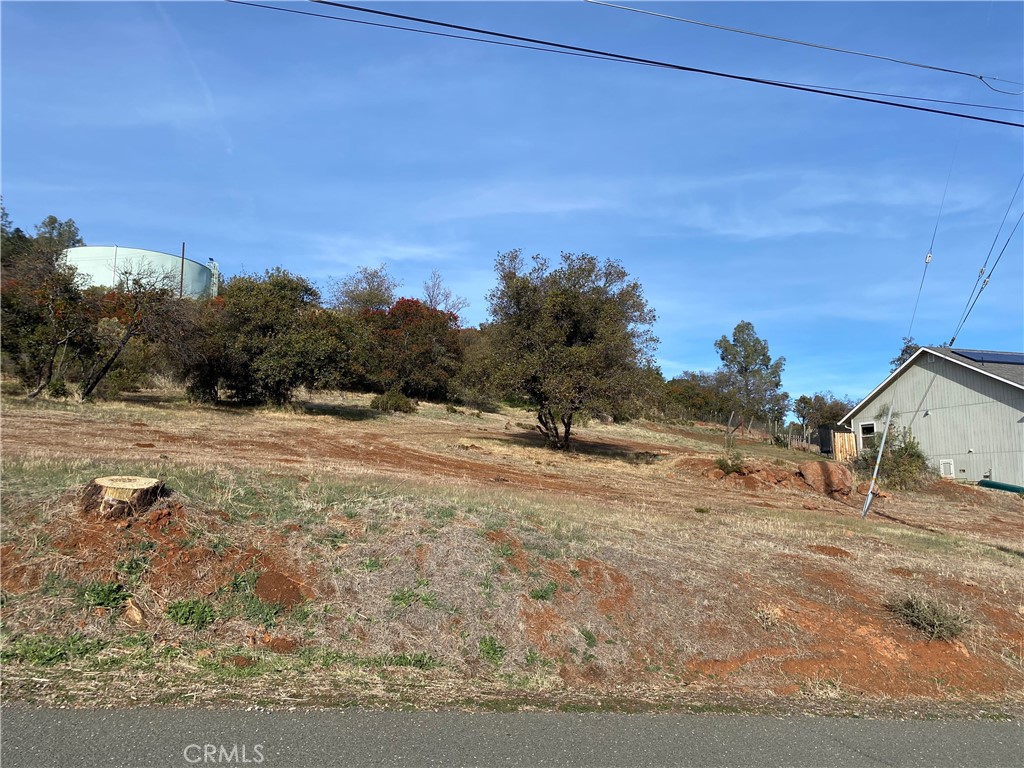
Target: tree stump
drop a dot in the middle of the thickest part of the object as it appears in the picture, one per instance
(113, 498)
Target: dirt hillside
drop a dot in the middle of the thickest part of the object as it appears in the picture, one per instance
(447, 558)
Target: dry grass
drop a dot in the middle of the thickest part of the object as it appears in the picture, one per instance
(414, 538)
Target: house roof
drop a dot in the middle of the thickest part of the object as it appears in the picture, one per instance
(1007, 367)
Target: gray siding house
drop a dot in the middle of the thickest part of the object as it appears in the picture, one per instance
(964, 406)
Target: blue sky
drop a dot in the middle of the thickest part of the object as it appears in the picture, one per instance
(263, 138)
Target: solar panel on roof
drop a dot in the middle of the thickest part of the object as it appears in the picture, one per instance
(1007, 358)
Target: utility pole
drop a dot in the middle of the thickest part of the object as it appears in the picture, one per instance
(181, 284)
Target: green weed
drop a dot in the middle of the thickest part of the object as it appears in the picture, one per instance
(197, 614)
(333, 539)
(504, 549)
(219, 545)
(403, 598)
(491, 650)
(415, 660)
(133, 567)
(544, 593)
(105, 594)
(46, 650)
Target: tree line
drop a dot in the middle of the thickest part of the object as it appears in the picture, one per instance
(571, 339)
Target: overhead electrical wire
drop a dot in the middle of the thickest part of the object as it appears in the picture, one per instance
(983, 78)
(910, 330)
(988, 277)
(564, 49)
(650, 62)
(365, 23)
(552, 47)
(892, 401)
(603, 57)
(935, 230)
(969, 305)
(917, 98)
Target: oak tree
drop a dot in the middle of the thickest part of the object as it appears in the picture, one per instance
(574, 338)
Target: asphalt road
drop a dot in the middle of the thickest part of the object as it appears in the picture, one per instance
(140, 737)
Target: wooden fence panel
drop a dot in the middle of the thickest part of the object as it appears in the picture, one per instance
(844, 445)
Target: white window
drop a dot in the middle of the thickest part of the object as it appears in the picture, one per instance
(868, 436)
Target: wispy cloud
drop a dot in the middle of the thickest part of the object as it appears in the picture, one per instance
(775, 204)
(761, 204)
(330, 254)
(208, 102)
(535, 196)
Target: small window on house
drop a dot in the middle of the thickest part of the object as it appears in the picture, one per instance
(868, 437)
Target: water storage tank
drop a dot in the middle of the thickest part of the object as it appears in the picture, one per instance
(104, 265)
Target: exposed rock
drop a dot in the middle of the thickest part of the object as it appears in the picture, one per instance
(827, 477)
(132, 614)
(750, 482)
(864, 487)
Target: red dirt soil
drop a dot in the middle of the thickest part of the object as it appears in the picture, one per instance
(829, 630)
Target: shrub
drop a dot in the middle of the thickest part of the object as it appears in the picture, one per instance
(57, 389)
(937, 620)
(731, 463)
(197, 614)
(392, 401)
(904, 465)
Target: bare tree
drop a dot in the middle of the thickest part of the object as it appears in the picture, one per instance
(438, 296)
(143, 304)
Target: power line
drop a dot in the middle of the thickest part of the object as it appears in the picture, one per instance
(609, 56)
(918, 98)
(910, 330)
(983, 78)
(942, 204)
(984, 266)
(892, 400)
(444, 34)
(985, 283)
(938, 218)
